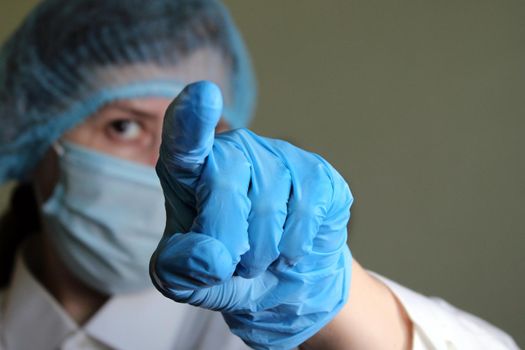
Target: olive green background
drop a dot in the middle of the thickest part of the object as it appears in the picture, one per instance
(421, 106)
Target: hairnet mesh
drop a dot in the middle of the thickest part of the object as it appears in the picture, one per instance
(64, 62)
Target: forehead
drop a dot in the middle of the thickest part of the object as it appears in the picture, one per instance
(206, 63)
(139, 105)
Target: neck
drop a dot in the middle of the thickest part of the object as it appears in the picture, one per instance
(78, 300)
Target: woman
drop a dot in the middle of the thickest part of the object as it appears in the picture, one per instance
(255, 228)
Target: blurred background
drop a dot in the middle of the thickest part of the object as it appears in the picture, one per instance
(421, 106)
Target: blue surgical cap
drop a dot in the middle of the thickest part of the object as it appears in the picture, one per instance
(71, 57)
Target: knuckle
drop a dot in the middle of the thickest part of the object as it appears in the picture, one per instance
(219, 184)
(282, 173)
(268, 208)
(306, 209)
(342, 194)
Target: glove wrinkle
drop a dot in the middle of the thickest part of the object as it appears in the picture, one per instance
(267, 242)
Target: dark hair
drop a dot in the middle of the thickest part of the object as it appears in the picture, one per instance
(16, 225)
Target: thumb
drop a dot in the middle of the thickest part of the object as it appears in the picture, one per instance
(189, 261)
(189, 128)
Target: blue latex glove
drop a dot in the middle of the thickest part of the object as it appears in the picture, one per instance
(256, 227)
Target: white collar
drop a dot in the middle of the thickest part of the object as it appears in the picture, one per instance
(32, 318)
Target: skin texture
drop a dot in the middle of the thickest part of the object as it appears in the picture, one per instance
(131, 129)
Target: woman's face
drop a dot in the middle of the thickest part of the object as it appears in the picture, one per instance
(128, 129)
(131, 129)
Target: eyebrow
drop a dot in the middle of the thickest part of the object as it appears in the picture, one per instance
(131, 109)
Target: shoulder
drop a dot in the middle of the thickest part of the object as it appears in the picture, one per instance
(443, 325)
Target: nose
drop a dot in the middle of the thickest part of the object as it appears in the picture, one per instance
(153, 152)
(152, 159)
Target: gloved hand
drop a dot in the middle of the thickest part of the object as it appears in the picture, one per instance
(256, 228)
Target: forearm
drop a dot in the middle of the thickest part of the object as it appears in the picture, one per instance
(373, 318)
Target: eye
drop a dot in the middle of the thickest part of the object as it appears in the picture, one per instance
(125, 129)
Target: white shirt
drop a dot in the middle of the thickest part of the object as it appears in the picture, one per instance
(31, 319)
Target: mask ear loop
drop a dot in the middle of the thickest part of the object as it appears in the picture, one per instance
(58, 148)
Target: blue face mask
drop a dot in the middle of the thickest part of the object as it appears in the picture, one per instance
(105, 219)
